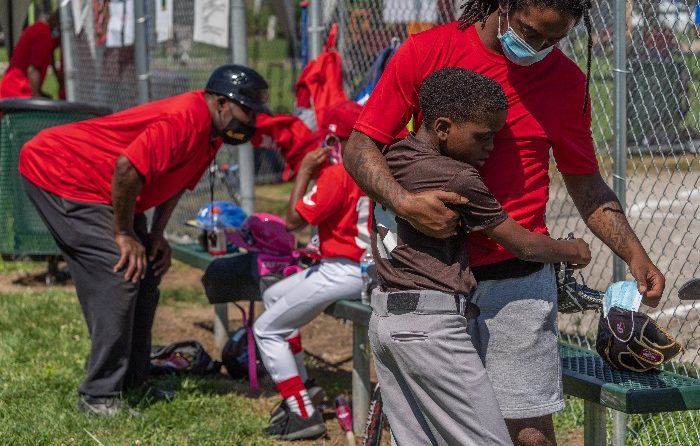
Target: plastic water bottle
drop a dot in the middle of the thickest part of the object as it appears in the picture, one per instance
(366, 262)
(216, 239)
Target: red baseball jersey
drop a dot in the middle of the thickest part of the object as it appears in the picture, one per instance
(34, 48)
(545, 112)
(341, 211)
(168, 141)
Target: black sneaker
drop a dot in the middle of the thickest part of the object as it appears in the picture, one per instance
(316, 394)
(158, 394)
(103, 406)
(296, 427)
(574, 297)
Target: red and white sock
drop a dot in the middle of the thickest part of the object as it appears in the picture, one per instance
(296, 396)
(298, 351)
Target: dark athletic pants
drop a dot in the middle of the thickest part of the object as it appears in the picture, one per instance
(119, 314)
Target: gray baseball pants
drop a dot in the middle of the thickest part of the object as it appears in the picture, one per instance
(434, 385)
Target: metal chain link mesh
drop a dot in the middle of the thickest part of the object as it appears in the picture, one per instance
(22, 232)
(663, 114)
(107, 76)
(663, 180)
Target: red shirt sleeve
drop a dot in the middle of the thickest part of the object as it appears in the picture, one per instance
(323, 200)
(395, 97)
(572, 140)
(162, 145)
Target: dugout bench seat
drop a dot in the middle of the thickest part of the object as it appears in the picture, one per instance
(194, 255)
(585, 376)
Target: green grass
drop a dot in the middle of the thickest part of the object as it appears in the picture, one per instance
(8, 266)
(273, 198)
(183, 297)
(43, 344)
(666, 429)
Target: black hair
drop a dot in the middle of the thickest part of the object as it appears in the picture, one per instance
(478, 10)
(460, 95)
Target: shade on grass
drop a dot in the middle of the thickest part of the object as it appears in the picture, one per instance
(43, 343)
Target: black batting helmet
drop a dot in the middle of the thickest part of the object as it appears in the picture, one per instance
(240, 84)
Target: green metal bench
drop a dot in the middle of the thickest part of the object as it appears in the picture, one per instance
(358, 313)
(585, 376)
(588, 377)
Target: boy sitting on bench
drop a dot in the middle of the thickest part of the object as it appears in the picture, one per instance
(340, 210)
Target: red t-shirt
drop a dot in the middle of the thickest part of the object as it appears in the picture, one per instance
(34, 48)
(545, 111)
(341, 211)
(168, 141)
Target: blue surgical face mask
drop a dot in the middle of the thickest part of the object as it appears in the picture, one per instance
(516, 49)
(624, 295)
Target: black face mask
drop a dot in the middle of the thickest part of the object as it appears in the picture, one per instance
(237, 133)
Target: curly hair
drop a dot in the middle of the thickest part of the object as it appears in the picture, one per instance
(460, 95)
(478, 10)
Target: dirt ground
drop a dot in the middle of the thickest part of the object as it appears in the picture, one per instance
(327, 341)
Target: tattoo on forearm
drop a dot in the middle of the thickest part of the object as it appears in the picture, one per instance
(368, 168)
(609, 209)
(603, 214)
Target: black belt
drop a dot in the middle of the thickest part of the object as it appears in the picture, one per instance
(507, 269)
(402, 301)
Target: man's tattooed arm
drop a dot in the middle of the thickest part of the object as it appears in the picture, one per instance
(426, 211)
(602, 212)
(364, 161)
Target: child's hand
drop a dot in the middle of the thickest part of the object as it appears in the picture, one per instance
(583, 253)
(313, 160)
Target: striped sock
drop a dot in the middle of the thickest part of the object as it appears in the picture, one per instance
(296, 396)
(298, 351)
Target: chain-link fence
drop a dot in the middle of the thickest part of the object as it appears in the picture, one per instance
(662, 177)
(103, 55)
(663, 138)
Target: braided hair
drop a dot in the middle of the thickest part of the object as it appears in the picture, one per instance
(478, 10)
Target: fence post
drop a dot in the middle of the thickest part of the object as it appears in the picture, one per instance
(315, 28)
(239, 55)
(67, 33)
(620, 162)
(140, 51)
(246, 158)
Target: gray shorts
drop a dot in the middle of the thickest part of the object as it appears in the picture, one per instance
(516, 336)
(434, 386)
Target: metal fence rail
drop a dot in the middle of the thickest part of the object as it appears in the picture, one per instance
(658, 173)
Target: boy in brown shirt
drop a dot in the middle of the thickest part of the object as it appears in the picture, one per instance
(434, 385)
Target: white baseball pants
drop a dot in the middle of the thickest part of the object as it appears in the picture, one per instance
(295, 301)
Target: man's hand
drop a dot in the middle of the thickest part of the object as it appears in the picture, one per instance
(583, 253)
(313, 160)
(650, 281)
(160, 255)
(427, 212)
(132, 255)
